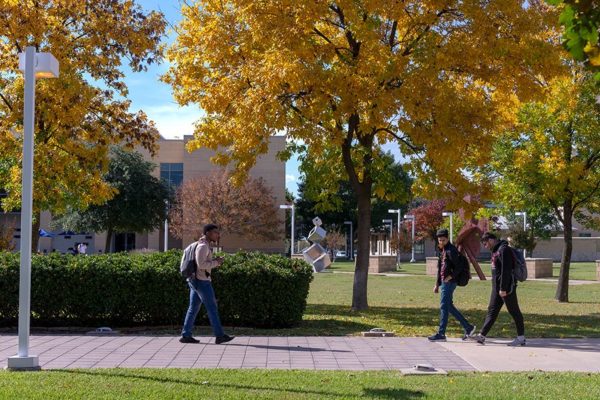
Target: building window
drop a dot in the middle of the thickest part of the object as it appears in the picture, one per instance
(172, 173)
(585, 235)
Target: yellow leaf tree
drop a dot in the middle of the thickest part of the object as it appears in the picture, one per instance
(345, 77)
(84, 111)
(552, 157)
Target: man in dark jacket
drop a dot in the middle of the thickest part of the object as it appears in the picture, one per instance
(448, 271)
(504, 288)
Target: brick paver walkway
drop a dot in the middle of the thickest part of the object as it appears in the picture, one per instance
(343, 353)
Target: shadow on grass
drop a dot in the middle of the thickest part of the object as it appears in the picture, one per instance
(199, 383)
(340, 320)
(393, 393)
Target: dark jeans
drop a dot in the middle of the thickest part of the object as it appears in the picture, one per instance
(512, 305)
(447, 307)
(201, 292)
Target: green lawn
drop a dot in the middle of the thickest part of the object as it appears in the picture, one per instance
(273, 384)
(578, 270)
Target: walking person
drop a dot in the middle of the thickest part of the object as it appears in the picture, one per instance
(447, 272)
(201, 290)
(504, 289)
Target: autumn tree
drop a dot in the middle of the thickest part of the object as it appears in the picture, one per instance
(249, 210)
(428, 219)
(139, 205)
(84, 111)
(552, 157)
(334, 241)
(346, 77)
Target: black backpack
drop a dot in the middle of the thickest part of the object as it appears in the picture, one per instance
(464, 275)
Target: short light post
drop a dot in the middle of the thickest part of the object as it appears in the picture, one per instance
(34, 65)
(524, 214)
(451, 215)
(412, 218)
(290, 207)
(351, 240)
(399, 212)
(391, 224)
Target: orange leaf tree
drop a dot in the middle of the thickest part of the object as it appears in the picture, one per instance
(247, 210)
(344, 77)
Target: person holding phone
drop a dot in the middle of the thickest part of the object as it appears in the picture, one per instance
(201, 290)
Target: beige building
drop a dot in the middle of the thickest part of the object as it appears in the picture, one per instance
(174, 164)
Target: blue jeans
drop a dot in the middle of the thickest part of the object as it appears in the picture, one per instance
(201, 292)
(447, 307)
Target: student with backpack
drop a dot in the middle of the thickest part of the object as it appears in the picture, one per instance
(197, 269)
(451, 272)
(505, 273)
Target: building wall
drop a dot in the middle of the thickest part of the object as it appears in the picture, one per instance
(197, 164)
(584, 249)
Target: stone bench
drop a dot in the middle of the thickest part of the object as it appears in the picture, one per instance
(431, 266)
(539, 268)
(379, 264)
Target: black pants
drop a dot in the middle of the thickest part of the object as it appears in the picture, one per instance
(512, 304)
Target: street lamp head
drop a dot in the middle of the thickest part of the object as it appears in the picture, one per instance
(347, 222)
(520, 213)
(46, 66)
(286, 207)
(447, 213)
(409, 217)
(393, 211)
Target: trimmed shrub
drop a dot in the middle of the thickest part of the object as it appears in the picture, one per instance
(253, 289)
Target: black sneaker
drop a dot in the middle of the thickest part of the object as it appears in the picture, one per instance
(188, 339)
(469, 333)
(437, 338)
(223, 339)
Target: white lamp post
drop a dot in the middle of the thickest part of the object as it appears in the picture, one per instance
(166, 238)
(34, 65)
(351, 240)
(412, 218)
(391, 224)
(290, 207)
(524, 214)
(399, 212)
(451, 215)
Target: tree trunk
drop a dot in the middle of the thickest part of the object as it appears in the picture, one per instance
(562, 290)
(35, 231)
(109, 234)
(361, 269)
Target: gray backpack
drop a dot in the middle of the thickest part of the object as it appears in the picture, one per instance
(187, 267)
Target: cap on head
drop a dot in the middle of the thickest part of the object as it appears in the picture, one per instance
(209, 227)
(441, 233)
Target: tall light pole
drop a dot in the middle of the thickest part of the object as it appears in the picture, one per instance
(34, 65)
(166, 238)
(399, 212)
(351, 240)
(391, 223)
(290, 207)
(524, 214)
(412, 218)
(451, 215)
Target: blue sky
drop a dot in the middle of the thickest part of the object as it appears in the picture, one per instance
(147, 93)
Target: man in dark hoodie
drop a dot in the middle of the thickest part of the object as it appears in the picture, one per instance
(448, 270)
(504, 289)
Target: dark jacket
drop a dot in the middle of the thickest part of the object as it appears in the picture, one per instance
(452, 264)
(502, 267)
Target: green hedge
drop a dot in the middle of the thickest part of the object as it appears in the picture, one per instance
(252, 289)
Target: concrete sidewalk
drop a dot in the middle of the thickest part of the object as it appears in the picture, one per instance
(334, 352)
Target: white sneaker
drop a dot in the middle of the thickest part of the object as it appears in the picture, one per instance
(517, 342)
